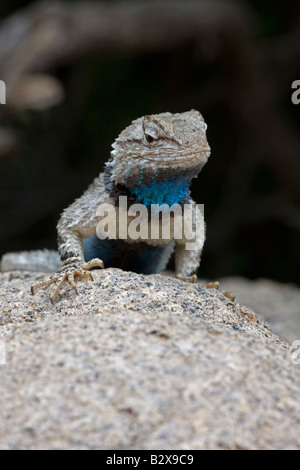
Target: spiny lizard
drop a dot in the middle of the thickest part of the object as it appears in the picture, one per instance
(152, 162)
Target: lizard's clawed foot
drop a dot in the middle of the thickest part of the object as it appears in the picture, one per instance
(209, 285)
(213, 285)
(67, 274)
(216, 285)
(192, 279)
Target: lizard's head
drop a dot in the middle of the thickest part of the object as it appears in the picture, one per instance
(159, 146)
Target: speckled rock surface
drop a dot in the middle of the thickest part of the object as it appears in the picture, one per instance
(141, 362)
(277, 303)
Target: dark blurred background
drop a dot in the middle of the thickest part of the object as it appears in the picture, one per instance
(77, 73)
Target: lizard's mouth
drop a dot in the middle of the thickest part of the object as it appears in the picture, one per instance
(197, 156)
(171, 156)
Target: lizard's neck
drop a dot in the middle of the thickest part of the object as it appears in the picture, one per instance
(170, 191)
(159, 188)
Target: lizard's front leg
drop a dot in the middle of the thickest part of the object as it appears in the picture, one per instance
(187, 255)
(77, 222)
(189, 247)
(73, 266)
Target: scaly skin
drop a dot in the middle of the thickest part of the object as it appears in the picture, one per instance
(152, 162)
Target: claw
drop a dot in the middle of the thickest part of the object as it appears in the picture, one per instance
(88, 276)
(74, 288)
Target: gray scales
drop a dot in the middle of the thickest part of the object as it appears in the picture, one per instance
(152, 162)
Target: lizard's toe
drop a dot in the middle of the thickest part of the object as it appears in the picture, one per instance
(229, 295)
(216, 285)
(191, 279)
(71, 280)
(213, 285)
(39, 284)
(94, 263)
(59, 281)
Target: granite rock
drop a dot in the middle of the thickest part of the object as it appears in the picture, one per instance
(141, 362)
(277, 303)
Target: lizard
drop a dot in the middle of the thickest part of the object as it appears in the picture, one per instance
(153, 161)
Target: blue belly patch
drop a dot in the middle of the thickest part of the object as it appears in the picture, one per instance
(138, 257)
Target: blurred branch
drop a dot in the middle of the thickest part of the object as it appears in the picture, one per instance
(45, 35)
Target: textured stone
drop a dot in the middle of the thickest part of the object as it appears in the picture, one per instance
(278, 304)
(141, 362)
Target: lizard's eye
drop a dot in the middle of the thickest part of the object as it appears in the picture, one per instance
(151, 134)
(149, 138)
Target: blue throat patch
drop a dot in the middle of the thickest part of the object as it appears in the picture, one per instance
(170, 191)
